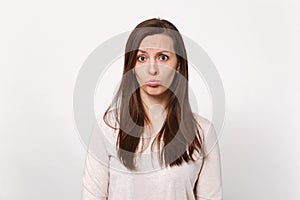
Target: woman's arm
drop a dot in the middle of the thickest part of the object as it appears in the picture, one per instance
(96, 170)
(209, 184)
(95, 180)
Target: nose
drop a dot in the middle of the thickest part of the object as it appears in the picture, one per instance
(153, 68)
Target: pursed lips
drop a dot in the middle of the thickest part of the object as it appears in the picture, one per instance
(153, 83)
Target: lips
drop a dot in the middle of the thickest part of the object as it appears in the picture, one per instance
(153, 83)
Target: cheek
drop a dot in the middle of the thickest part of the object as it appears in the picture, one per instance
(168, 78)
(140, 70)
(168, 71)
(139, 75)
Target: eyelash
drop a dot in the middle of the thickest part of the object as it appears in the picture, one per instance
(166, 58)
(138, 58)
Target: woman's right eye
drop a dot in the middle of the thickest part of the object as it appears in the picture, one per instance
(141, 58)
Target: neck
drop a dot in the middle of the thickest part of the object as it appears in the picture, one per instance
(157, 115)
(155, 108)
(154, 101)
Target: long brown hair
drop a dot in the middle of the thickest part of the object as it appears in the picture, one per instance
(180, 133)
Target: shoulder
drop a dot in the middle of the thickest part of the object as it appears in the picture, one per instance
(204, 123)
(108, 126)
(208, 130)
(111, 119)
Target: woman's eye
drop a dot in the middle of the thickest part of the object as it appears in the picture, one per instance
(163, 57)
(141, 58)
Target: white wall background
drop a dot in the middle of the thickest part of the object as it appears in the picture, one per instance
(254, 45)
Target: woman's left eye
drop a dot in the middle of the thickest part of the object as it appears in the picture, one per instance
(163, 57)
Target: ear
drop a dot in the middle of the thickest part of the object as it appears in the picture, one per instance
(178, 67)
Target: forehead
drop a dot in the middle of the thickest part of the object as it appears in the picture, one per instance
(157, 41)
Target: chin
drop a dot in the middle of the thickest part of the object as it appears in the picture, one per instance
(155, 91)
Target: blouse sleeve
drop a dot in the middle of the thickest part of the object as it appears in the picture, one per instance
(96, 170)
(209, 184)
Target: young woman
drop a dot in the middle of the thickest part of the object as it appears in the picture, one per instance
(152, 146)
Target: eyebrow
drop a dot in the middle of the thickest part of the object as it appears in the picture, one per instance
(157, 52)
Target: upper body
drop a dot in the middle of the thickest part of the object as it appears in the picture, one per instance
(105, 177)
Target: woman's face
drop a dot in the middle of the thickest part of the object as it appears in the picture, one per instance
(156, 64)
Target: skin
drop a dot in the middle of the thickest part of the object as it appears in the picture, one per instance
(156, 61)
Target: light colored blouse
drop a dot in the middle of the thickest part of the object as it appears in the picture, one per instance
(106, 178)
